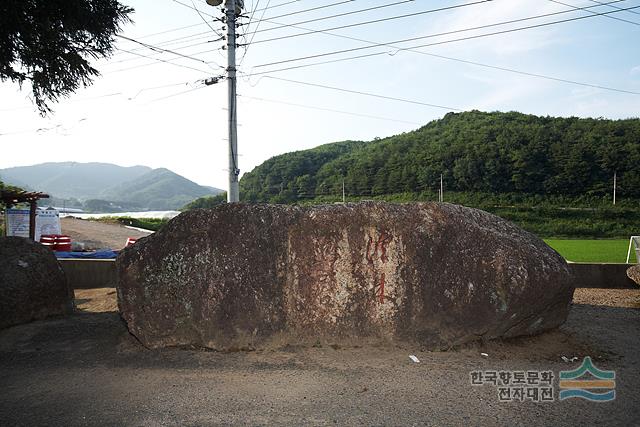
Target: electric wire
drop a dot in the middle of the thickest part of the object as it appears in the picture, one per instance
(160, 49)
(279, 5)
(323, 18)
(253, 12)
(336, 52)
(158, 60)
(614, 7)
(312, 9)
(204, 20)
(198, 10)
(525, 73)
(312, 107)
(479, 64)
(373, 21)
(177, 94)
(589, 11)
(253, 35)
(175, 48)
(357, 92)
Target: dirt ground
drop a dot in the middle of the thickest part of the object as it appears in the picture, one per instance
(87, 370)
(98, 235)
(101, 300)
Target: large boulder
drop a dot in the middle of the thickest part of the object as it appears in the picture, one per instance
(634, 273)
(32, 283)
(245, 275)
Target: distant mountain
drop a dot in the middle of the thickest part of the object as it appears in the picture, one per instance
(102, 185)
(71, 179)
(158, 189)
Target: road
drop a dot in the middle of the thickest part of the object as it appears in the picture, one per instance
(98, 235)
(87, 370)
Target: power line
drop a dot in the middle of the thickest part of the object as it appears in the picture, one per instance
(159, 87)
(167, 61)
(254, 34)
(278, 5)
(176, 49)
(177, 94)
(409, 101)
(198, 10)
(374, 21)
(205, 21)
(353, 12)
(464, 61)
(417, 38)
(253, 12)
(311, 107)
(160, 49)
(447, 33)
(67, 101)
(585, 9)
(614, 7)
(525, 73)
(214, 18)
(170, 41)
(312, 9)
(171, 30)
(158, 60)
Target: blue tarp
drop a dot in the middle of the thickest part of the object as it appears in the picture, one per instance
(88, 255)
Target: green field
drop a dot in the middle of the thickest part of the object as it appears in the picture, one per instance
(592, 250)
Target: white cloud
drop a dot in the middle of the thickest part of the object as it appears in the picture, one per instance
(499, 11)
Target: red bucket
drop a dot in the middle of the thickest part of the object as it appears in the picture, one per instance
(48, 240)
(63, 243)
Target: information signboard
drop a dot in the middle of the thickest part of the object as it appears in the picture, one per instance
(17, 221)
(47, 222)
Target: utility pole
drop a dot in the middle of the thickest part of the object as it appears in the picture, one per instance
(615, 178)
(233, 195)
(441, 190)
(232, 10)
(343, 195)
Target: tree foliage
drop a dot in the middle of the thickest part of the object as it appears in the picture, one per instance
(489, 153)
(5, 187)
(206, 202)
(49, 44)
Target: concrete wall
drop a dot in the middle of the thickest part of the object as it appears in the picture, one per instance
(610, 276)
(89, 273)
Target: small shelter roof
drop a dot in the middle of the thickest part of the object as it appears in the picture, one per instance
(13, 197)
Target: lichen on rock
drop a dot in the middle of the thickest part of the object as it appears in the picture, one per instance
(241, 275)
(633, 273)
(32, 283)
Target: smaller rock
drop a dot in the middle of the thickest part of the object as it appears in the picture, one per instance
(32, 283)
(634, 273)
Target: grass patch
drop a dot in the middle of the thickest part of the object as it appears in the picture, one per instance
(593, 250)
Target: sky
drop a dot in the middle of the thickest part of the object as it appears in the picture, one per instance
(155, 111)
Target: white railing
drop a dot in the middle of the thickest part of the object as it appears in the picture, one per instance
(635, 240)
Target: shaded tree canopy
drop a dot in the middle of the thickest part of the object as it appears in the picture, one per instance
(4, 187)
(475, 152)
(49, 44)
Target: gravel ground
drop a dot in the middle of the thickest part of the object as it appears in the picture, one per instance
(87, 370)
(98, 235)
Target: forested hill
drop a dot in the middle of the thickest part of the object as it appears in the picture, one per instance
(474, 151)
